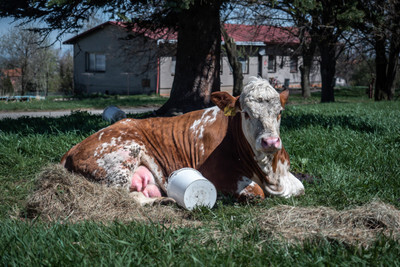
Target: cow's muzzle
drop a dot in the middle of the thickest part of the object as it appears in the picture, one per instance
(271, 143)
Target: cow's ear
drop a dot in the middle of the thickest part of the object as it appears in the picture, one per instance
(284, 97)
(227, 103)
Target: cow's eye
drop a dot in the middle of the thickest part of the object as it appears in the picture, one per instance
(246, 115)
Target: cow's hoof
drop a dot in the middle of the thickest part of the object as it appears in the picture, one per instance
(164, 201)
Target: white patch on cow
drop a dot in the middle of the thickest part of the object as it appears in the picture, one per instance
(119, 163)
(202, 149)
(101, 148)
(209, 116)
(100, 135)
(112, 164)
(243, 185)
(285, 184)
(126, 121)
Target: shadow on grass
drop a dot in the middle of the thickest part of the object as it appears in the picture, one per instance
(297, 121)
(84, 122)
(81, 121)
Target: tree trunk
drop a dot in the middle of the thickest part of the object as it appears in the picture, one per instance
(328, 69)
(308, 52)
(231, 51)
(197, 59)
(381, 65)
(394, 53)
(305, 80)
(386, 68)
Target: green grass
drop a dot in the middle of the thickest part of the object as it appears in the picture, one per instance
(88, 102)
(136, 244)
(354, 94)
(351, 148)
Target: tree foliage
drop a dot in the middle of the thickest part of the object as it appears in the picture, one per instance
(197, 23)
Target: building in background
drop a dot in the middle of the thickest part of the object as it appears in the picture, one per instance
(113, 58)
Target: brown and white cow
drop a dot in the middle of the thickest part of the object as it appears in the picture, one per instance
(236, 145)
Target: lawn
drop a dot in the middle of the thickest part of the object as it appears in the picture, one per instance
(351, 148)
(87, 102)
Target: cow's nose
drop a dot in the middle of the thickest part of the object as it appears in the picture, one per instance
(271, 143)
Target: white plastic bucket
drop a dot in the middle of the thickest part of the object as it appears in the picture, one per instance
(113, 114)
(190, 189)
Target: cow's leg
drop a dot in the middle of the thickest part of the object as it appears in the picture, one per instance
(143, 181)
(248, 189)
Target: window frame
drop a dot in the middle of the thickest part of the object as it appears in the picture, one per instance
(273, 69)
(245, 65)
(95, 64)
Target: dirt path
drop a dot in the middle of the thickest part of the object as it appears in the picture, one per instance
(59, 113)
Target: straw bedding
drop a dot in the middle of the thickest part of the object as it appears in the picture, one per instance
(61, 195)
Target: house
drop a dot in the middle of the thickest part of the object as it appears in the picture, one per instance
(10, 81)
(113, 58)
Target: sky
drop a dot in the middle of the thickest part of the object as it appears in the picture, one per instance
(8, 23)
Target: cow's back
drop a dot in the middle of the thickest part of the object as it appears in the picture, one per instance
(162, 144)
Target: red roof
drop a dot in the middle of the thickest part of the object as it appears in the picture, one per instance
(261, 33)
(12, 72)
(239, 32)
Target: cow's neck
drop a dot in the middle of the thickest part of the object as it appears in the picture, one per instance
(266, 167)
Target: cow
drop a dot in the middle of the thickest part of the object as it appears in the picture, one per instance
(235, 144)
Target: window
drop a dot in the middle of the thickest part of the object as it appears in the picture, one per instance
(271, 63)
(145, 83)
(245, 64)
(293, 64)
(95, 62)
(173, 65)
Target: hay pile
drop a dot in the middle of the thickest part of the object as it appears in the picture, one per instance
(61, 195)
(360, 225)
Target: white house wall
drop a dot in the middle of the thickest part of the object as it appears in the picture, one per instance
(280, 75)
(123, 74)
(166, 75)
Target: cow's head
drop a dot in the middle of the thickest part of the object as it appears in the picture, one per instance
(260, 106)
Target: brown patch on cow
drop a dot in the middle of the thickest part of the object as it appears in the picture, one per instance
(282, 156)
(284, 96)
(251, 192)
(224, 100)
(255, 190)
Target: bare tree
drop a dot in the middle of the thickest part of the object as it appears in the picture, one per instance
(66, 82)
(27, 51)
(382, 30)
(232, 54)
